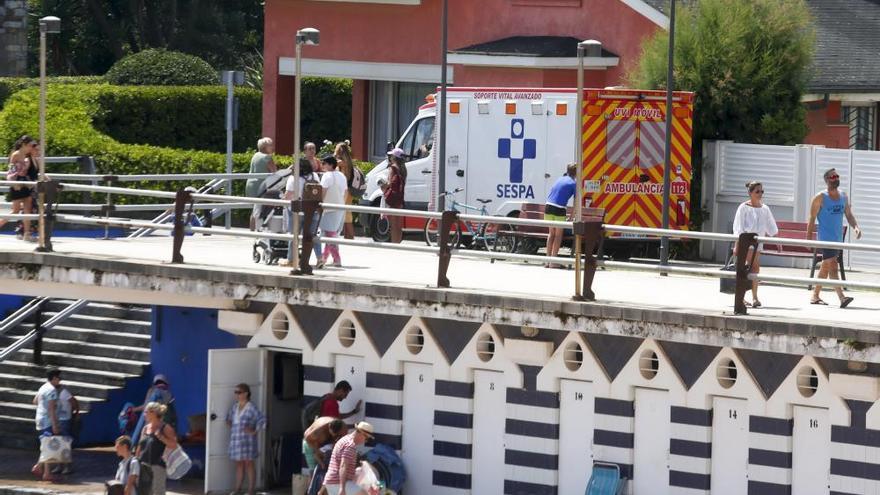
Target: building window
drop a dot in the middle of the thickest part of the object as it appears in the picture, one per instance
(393, 105)
(862, 121)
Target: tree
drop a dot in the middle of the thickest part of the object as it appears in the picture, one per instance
(748, 63)
(97, 33)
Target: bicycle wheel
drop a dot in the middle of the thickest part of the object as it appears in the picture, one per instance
(432, 227)
(500, 237)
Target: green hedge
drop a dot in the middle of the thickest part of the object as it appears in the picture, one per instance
(326, 109)
(183, 117)
(158, 67)
(72, 110)
(10, 85)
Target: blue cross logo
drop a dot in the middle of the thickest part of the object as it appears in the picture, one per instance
(529, 149)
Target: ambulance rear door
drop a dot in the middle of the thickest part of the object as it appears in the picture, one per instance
(507, 148)
(561, 112)
(457, 117)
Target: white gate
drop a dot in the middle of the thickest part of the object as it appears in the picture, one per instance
(811, 451)
(576, 401)
(652, 434)
(418, 425)
(490, 405)
(730, 446)
(226, 369)
(351, 369)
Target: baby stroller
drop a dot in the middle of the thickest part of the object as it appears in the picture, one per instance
(271, 219)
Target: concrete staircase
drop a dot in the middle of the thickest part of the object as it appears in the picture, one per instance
(97, 349)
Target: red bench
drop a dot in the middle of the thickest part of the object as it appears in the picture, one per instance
(798, 230)
(535, 211)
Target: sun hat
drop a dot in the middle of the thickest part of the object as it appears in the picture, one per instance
(365, 428)
(396, 153)
(160, 378)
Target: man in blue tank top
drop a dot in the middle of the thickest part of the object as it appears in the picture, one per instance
(555, 209)
(829, 207)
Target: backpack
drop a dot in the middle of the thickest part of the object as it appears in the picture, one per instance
(358, 184)
(312, 411)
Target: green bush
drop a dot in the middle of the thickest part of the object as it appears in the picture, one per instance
(156, 67)
(70, 130)
(10, 85)
(326, 109)
(182, 117)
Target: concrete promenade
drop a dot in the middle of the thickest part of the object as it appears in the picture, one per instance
(219, 272)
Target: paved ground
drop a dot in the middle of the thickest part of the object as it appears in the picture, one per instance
(513, 279)
(91, 468)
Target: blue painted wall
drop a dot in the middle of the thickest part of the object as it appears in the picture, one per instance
(181, 339)
(9, 303)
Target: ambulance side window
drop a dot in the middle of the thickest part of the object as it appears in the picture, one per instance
(424, 138)
(407, 143)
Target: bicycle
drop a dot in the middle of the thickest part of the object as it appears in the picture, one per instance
(488, 235)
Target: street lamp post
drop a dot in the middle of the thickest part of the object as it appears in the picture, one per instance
(667, 166)
(305, 36)
(592, 48)
(48, 24)
(230, 78)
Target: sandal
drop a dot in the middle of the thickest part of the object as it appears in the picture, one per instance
(320, 264)
(819, 302)
(845, 302)
(756, 303)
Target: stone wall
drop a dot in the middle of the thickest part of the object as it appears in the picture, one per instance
(13, 37)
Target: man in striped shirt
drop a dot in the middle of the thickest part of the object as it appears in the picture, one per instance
(339, 479)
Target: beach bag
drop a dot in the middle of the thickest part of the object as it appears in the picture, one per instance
(300, 484)
(358, 185)
(311, 412)
(127, 419)
(114, 487)
(177, 463)
(55, 449)
(728, 285)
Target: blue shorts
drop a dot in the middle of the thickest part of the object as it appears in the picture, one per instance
(63, 426)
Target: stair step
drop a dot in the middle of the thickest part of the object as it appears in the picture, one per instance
(54, 358)
(103, 323)
(27, 368)
(85, 334)
(108, 310)
(18, 424)
(86, 349)
(26, 397)
(18, 410)
(78, 389)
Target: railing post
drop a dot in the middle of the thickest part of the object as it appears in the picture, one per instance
(183, 198)
(38, 339)
(743, 267)
(48, 191)
(447, 223)
(108, 207)
(591, 234)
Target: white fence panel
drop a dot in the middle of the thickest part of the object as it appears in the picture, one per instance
(774, 166)
(866, 206)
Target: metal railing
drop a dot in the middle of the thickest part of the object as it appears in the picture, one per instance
(590, 233)
(40, 328)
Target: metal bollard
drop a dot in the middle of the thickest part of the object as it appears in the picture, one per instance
(183, 198)
(48, 191)
(447, 223)
(743, 267)
(591, 235)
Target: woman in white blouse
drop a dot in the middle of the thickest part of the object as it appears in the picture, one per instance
(754, 216)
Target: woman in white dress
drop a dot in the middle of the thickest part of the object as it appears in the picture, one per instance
(754, 216)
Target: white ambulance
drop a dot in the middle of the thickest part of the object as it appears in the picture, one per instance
(510, 145)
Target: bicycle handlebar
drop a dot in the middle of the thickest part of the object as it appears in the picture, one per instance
(450, 193)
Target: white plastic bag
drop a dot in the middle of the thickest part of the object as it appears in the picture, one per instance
(55, 449)
(367, 478)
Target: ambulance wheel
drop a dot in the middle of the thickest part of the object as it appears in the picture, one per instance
(432, 227)
(528, 245)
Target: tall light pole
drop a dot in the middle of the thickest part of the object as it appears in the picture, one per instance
(48, 24)
(441, 108)
(230, 78)
(305, 36)
(594, 49)
(667, 164)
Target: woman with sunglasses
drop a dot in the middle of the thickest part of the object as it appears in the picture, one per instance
(22, 167)
(754, 216)
(244, 420)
